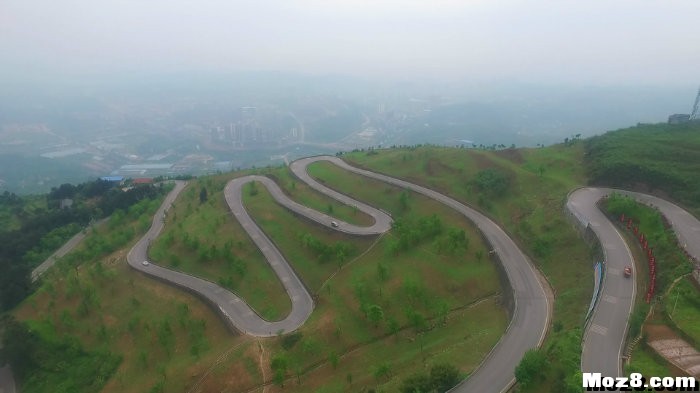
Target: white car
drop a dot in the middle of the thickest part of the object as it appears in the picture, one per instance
(334, 224)
(145, 263)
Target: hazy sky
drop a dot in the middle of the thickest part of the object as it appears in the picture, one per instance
(562, 41)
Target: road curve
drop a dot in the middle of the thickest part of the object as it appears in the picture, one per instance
(604, 338)
(7, 382)
(234, 310)
(531, 313)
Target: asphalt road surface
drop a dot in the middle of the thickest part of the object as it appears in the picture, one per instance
(235, 311)
(605, 337)
(603, 340)
(532, 310)
(65, 249)
(7, 383)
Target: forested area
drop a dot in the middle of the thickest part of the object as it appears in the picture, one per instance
(48, 362)
(37, 231)
(649, 157)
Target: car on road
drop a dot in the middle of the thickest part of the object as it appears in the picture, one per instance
(334, 224)
(628, 271)
(145, 263)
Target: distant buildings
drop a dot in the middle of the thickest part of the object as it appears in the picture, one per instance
(678, 118)
(113, 179)
(142, 180)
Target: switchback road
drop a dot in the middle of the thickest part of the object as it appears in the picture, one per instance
(605, 337)
(531, 311)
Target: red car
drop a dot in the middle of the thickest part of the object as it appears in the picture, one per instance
(628, 271)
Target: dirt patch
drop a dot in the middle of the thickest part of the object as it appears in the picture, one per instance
(682, 357)
(513, 155)
(659, 332)
(483, 162)
(434, 166)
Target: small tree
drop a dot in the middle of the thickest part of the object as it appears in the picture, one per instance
(334, 359)
(403, 200)
(279, 366)
(530, 367)
(383, 370)
(203, 195)
(444, 377)
(375, 314)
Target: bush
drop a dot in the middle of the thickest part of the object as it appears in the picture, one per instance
(530, 368)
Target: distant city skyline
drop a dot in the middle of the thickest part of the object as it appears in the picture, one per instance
(541, 41)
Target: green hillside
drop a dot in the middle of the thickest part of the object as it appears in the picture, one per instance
(426, 289)
(659, 158)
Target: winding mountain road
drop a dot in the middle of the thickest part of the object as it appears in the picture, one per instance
(531, 310)
(604, 339)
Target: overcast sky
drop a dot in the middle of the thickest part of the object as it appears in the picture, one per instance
(599, 42)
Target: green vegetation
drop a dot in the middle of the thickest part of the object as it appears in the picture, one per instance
(305, 195)
(46, 362)
(647, 362)
(671, 264)
(442, 377)
(426, 288)
(202, 238)
(96, 324)
(670, 260)
(652, 157)
(314, 252)
(36, 229)
(683, 308)
(531, 210)
(531, 368)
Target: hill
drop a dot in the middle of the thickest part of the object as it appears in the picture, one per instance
(657, 158)
(431, 304)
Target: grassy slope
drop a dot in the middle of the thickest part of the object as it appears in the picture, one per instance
(671, 263)
(155, 358)
(531, 211)
(684, 309)
(128, 314)
(10, 215)
(660, 157)
(236, 262)
(443, 283)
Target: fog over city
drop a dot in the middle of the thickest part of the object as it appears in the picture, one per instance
(167, 87)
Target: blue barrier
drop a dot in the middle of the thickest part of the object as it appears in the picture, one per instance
(598, 278)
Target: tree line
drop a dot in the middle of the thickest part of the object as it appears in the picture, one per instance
(43, 229)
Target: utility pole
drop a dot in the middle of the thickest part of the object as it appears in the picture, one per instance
(695, 115)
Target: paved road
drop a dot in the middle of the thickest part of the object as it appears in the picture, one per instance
(234, 310)
(65, 249)
(532, 310)
(7, 383)
(605, 337)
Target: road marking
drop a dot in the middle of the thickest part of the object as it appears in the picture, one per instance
(594, 224)
(603, 331)
(610, 299)
(614, 272)
(610, 246)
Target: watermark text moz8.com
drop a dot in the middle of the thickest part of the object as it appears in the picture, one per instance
(636, 382)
